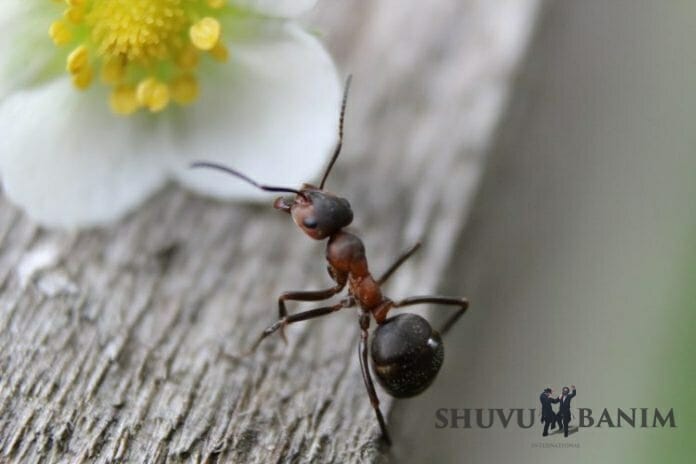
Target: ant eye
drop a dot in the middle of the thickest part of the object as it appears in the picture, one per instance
(310, 222)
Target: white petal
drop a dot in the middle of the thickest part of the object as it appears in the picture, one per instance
(67, 161)
(26, 49)
(271, 112)
(277, 8)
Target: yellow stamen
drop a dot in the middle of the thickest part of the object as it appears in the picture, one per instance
(184, 90)
(83, 78)
(205, 33)
(60, 33)
(113, 71)
(123, 100)
(219, 52)
(152, 94)
(75, 14)
(188, 58)
(78, 60)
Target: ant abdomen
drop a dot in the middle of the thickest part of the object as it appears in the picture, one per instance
(406, 355)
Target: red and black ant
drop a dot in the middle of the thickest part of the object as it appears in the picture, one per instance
(406, 352)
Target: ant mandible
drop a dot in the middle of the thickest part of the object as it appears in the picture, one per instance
(406, 352)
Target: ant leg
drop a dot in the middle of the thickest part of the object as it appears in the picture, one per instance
(407, 254)
(303, 316)
(463, 304)
(367, 378)
(312, 295)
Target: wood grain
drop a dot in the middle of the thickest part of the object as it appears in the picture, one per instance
(116, 345)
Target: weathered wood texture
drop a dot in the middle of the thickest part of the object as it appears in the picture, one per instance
(113, 341)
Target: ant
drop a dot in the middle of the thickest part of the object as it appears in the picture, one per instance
(406, 352)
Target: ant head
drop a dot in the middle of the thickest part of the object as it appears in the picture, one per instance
(318, 213)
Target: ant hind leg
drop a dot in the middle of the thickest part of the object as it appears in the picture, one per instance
(367, 378)
(463, 304)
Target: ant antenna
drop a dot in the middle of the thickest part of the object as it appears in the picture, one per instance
(267, 188)
(340, 133)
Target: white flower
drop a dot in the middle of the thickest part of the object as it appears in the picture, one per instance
(123, 94)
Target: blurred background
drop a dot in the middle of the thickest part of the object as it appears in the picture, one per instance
(580, 256)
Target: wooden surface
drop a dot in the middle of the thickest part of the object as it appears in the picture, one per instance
(114, 343)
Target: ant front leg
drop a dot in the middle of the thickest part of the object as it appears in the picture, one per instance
(303, 316)
(312, 295)
(367, 378)
(463, 304)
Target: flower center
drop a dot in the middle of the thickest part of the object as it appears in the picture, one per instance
(143, 31)
(146, 51)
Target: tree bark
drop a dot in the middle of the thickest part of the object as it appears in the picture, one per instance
(118, 344)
